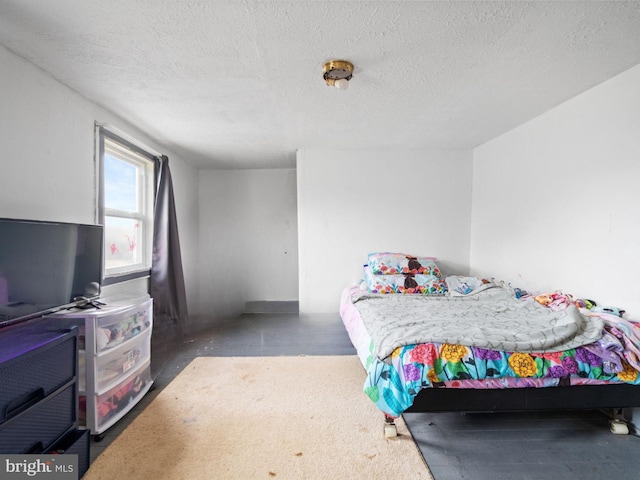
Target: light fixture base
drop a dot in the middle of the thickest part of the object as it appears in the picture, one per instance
(337, 70)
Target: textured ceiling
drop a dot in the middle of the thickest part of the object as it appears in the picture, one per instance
(238, 84)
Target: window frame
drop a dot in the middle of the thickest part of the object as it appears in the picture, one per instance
(139, 155)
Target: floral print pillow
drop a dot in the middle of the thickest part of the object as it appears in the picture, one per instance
(408, 283)
(388, 263)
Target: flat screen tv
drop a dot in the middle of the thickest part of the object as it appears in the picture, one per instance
(47, 266)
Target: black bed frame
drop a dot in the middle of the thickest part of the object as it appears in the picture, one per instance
(579, 397)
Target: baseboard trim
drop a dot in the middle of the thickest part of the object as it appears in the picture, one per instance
(265, 306)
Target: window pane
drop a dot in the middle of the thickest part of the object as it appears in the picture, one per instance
(123, 242)
(125, 205)
(120, 184)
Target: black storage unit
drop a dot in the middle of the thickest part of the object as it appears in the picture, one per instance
(40, 426)
(34, 363)
(39, 391)
(75, 442)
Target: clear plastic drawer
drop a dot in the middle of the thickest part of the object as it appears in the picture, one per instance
(118, 362)
(119, 399)
(116, 328)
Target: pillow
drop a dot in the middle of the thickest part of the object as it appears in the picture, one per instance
(459, 285)
(388, 263)
(407, 283)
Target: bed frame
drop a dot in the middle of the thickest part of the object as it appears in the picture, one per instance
(611, 398)
(578, 397)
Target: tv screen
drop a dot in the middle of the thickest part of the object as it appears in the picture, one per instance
(46, 266)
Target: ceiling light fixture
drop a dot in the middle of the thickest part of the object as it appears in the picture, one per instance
(337, 73)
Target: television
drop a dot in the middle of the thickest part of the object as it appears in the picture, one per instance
(47, 266)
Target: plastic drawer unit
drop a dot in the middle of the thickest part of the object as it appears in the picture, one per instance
(116, 355)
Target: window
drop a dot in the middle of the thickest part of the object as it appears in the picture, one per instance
(125, 206)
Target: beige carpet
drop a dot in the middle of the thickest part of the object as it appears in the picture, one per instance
(249, 418)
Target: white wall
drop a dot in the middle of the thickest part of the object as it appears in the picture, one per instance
(248, 239)
(351, 203)
(556, 201)
(46, 133)
(47, 169)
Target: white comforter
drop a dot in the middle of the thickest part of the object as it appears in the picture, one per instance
(491, 319)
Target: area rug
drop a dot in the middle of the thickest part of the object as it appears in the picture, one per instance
(246, 418)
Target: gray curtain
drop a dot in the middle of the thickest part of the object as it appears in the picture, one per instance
(167, 278)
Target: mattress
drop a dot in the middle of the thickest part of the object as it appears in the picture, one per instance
(393, 380)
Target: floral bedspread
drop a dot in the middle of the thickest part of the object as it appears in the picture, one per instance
(393, 385)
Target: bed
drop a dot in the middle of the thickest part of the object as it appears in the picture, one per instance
(431, 343)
